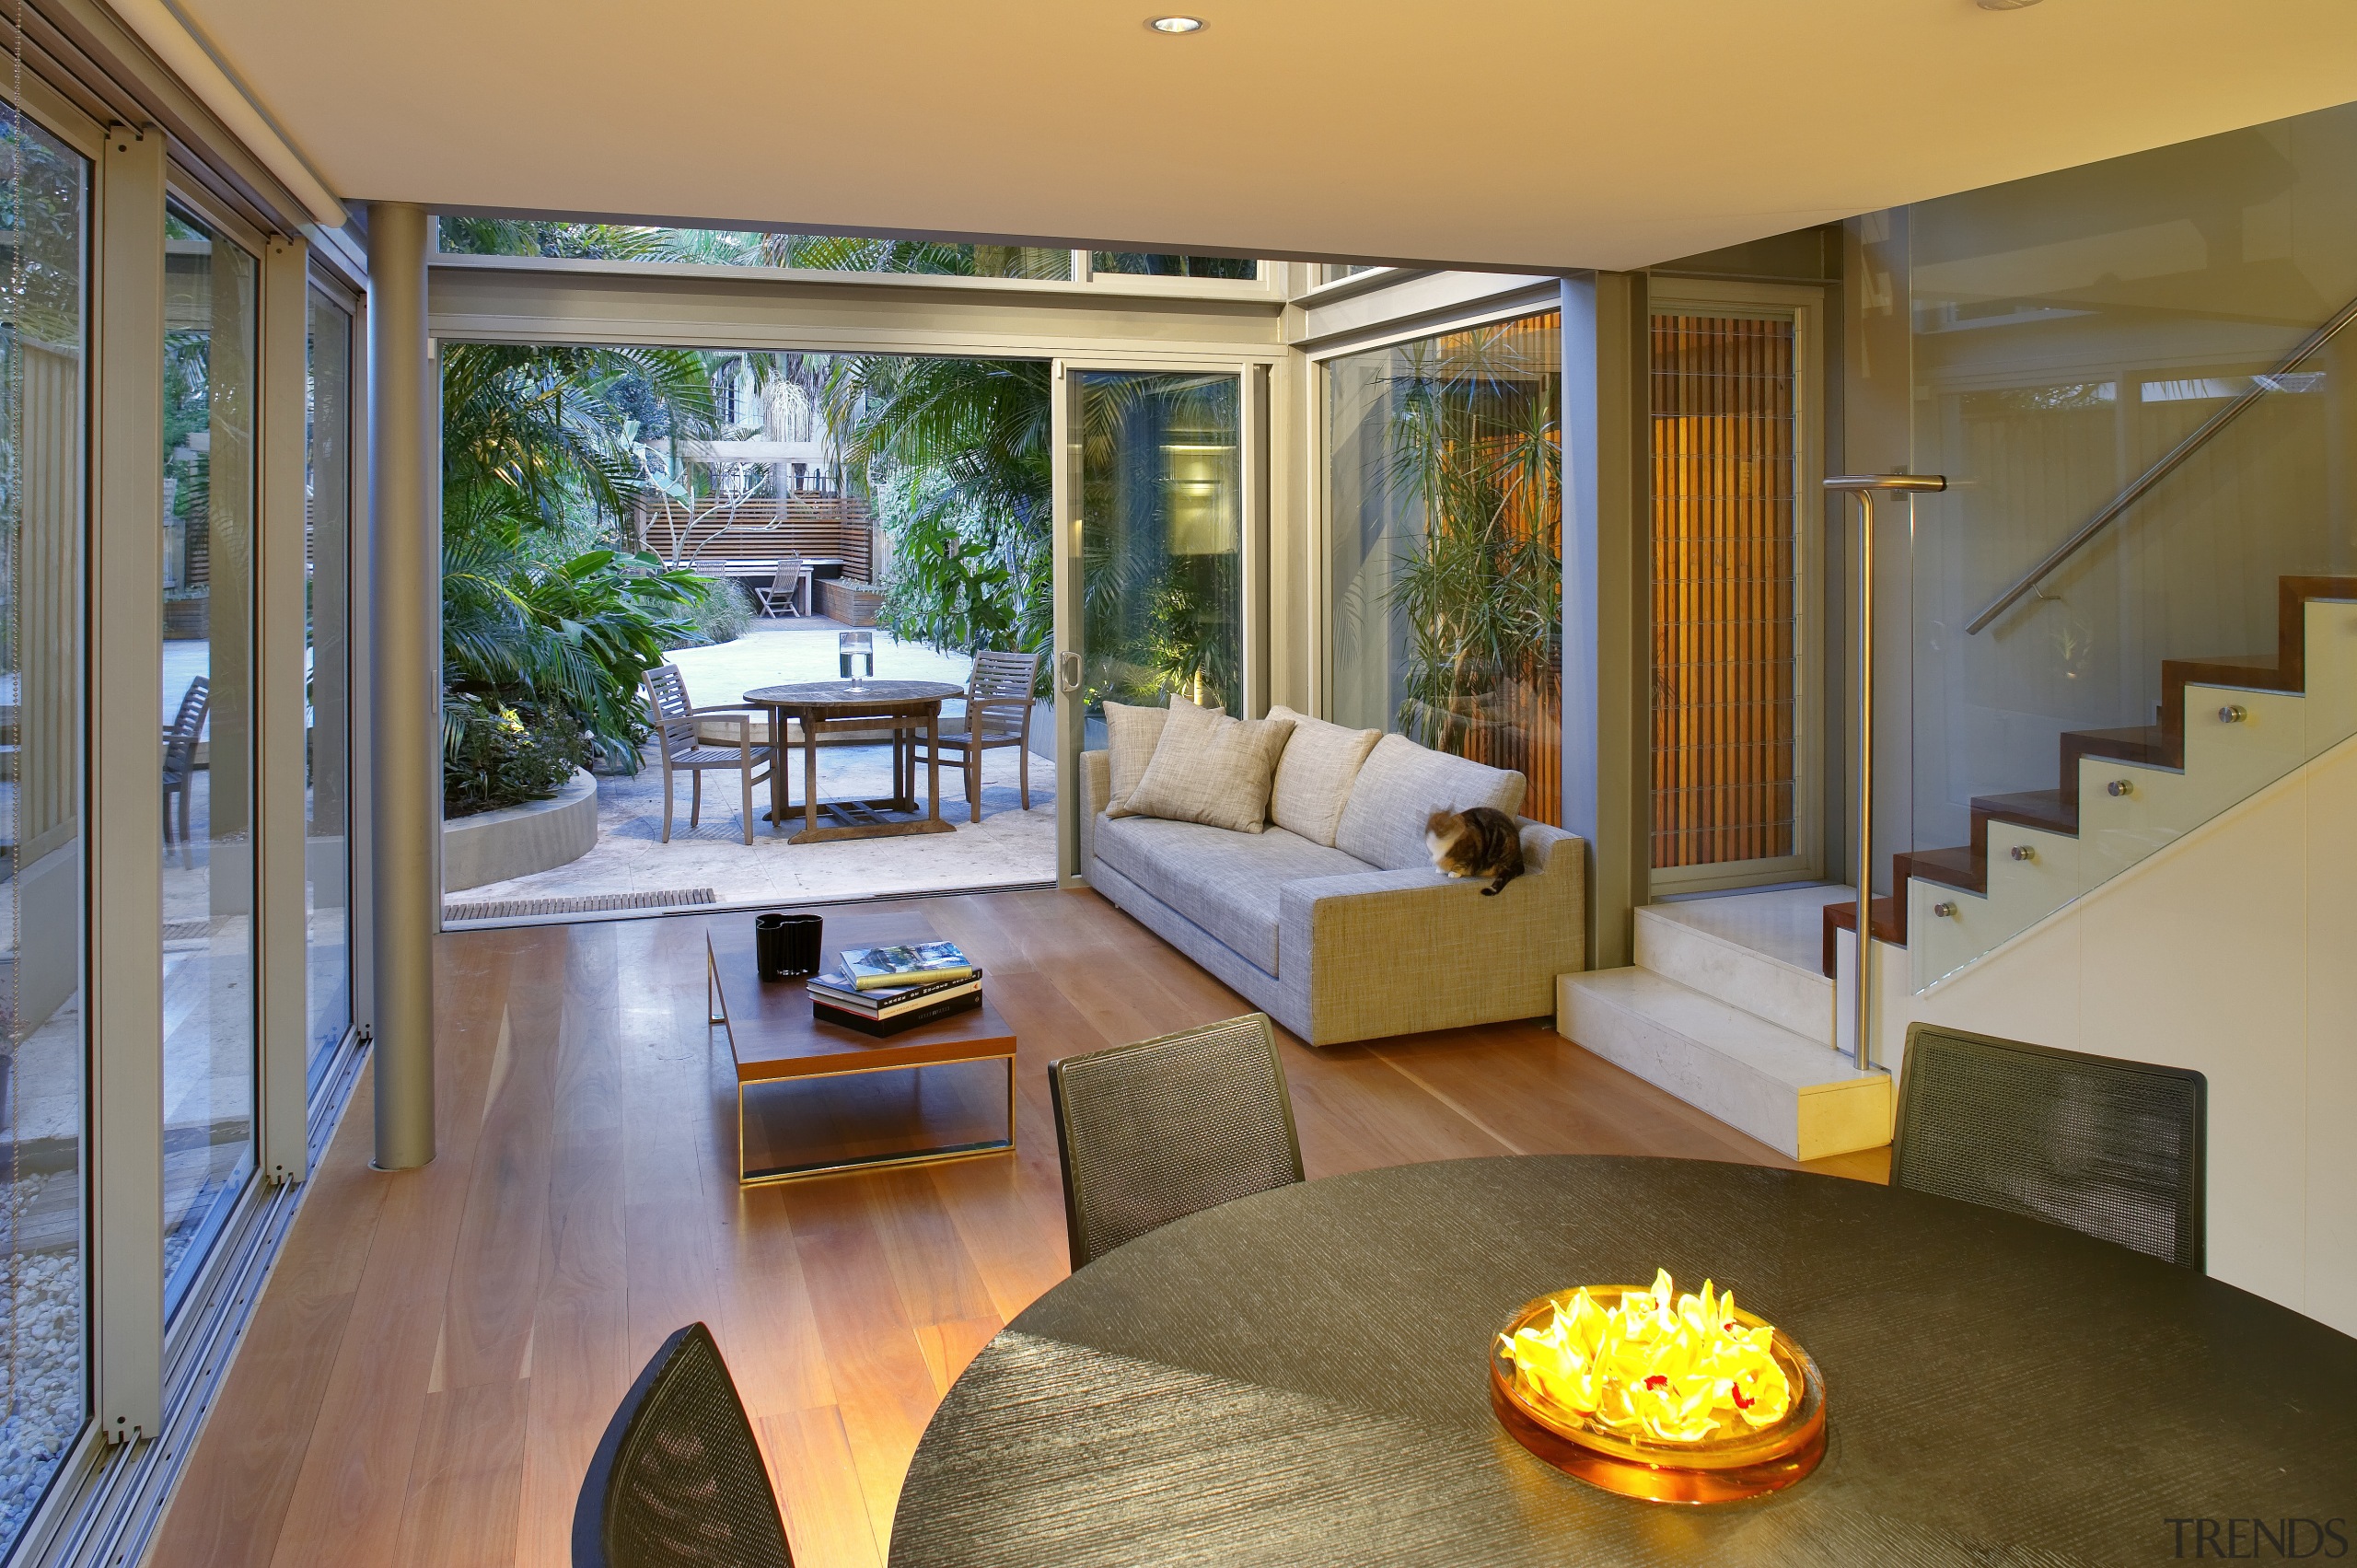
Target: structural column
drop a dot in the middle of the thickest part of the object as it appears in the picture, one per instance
(404, 594)
(1607, 609)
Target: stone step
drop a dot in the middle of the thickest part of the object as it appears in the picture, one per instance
(1789, 1092)
(1756, 951)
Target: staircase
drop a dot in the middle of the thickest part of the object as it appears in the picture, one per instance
(1716, 1009)
(2226, 728)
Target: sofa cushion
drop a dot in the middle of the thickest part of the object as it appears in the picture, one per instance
(1210, 769)
(1400, 785)
(1315, 772)
(1131, 735)
(1226, 883)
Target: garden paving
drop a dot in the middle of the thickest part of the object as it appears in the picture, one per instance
(1009, 846)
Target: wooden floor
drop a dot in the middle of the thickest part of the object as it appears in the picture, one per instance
(438, 1350)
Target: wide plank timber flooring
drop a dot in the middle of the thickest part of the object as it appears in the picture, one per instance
(438, 1350)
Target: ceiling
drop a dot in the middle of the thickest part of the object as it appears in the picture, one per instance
(1546, 134)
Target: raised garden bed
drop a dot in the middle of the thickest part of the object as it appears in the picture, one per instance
(516, 840)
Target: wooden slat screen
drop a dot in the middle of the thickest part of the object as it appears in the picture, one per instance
(1723, 549)
(832, 527)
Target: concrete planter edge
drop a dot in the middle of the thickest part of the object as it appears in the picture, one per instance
(516, 840)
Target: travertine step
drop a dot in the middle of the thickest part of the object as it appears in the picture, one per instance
(1791, 1093)
(1756, 951)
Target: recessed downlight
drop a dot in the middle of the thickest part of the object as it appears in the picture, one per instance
(1176, 24)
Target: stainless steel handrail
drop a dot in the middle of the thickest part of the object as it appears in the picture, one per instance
(1866, 486)
(2167, 465)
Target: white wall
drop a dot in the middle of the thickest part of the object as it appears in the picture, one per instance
(2234, 951)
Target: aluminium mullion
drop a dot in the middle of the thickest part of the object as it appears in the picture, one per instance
(280, 924)
(124, 964)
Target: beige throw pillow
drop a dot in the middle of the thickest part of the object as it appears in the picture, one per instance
(1315, 775)
(1212, 768)
(1131, 735)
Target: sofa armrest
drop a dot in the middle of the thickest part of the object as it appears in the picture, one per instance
(1393, 952)
(1551, 852)
(1095, 789)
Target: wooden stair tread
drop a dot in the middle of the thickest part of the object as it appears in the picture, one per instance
(1890, 925)
(2055, 809)
(2133, 743)
(1958, 867)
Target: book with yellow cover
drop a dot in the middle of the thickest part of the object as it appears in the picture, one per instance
(922, 963)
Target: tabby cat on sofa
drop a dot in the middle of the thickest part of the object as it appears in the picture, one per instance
(1478, 843)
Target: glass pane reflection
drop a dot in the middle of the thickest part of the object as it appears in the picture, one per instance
(42, 730)
(328, 533)
(206, 709)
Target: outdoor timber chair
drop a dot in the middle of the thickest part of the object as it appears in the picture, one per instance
(677, 1478)
(695, 740)
(1152, 1133)
(786, 588)
(181, 738)
(2109, 1148)
(998, 715)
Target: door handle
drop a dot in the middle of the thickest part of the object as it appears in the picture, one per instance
(1068, 670)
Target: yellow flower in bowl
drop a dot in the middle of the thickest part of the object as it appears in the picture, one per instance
(1653, 1365)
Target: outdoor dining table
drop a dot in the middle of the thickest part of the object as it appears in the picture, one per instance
(836, 707)
(1300, 1378)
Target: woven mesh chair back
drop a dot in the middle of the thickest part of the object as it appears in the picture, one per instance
(678, 1480)
(1152, 1133)
(667, 704)
(2111, 1149)
(179, 742)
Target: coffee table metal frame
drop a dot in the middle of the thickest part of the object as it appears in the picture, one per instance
(911, 1056)
(833, 707)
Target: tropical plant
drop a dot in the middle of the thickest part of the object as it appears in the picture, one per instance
(1473, 446)
(580, 632)
(495, 755)
(540, 613)
(554, 427)
(960, 579)
(1161, 586)
(957, 456)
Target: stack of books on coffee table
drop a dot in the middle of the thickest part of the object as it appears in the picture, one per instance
(881, 991)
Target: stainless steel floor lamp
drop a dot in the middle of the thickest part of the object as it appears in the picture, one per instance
(1866, 486)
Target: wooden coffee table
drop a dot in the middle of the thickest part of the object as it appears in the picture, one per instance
(857, 1101)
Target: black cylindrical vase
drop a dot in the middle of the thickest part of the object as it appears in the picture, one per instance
(786, 945)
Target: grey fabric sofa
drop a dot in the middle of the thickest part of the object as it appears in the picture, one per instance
(1340, 946)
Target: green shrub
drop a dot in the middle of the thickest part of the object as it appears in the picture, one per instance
(496, 754)
(725, 614)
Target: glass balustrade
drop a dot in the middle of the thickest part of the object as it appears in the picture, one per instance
(2043, 345)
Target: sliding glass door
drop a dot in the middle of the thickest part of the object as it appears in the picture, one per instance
(1151, 552)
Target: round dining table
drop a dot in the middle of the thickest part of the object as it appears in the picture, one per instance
(820, 708)
(1300, 1378)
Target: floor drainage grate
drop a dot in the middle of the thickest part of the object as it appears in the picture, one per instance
(595, 903)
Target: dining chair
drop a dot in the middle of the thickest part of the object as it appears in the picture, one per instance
(998, 715)
(1152, 1133)
(685, 736)
(181, 737)
(677, 1478)
(2109, 1148)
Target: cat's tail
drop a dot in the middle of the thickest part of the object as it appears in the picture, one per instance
(1494, 889)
